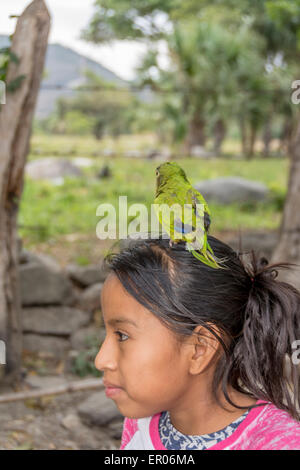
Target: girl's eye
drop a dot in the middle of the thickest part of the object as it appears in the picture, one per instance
(121, 336)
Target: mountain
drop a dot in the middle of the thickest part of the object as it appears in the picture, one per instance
(63, 70)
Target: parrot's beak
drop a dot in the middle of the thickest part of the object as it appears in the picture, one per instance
(158, 181)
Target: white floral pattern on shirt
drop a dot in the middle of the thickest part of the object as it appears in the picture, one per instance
(172, 439)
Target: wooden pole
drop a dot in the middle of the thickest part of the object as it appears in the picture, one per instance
(68, 387)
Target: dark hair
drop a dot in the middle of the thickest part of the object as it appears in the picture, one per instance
(257, 315)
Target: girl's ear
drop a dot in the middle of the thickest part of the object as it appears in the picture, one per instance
(205, 349)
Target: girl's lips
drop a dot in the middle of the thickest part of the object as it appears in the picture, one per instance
(112, 391)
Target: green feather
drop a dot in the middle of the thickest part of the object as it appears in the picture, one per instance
(191, 212)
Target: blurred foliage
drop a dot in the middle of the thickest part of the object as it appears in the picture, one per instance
(99, 108)
(277, 20)
(83, 363)
(7, 57)
(212, 72)
(227, 61)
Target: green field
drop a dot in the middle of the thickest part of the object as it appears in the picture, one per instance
(48, 212)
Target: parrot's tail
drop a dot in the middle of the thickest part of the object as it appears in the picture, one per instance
(207, 257)
(204, 260)
(216, 259)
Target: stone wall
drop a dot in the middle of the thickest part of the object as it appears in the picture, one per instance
(58, 305)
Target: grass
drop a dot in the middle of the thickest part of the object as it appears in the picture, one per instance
(48, 213)
(88, 146)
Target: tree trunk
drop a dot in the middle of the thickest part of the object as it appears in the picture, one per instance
(219, 135)
(196, 132)
(267, 138)
(29, 44)
(288, 248)
(252, 141)
(243, 131)
(286, 136)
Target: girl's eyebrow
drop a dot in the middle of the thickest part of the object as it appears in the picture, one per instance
(115, 321)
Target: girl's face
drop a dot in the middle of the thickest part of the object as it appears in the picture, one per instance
(140, 355)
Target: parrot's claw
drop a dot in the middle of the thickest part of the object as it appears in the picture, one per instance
(171, 243)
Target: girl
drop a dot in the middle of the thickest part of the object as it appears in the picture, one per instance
(200, 358)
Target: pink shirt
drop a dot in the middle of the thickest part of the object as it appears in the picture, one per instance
(264, 428)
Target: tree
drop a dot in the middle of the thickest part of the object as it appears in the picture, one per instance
(99, 107)
(29, 43)
(213, 74)
(202, 59)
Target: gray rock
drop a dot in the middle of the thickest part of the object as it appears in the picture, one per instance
(81, 339)
(116, 429)
(87, 437)
(108, 153)
(71, 422)
(41, 258)
(58, 346)
(261, 242)
(26, 256)
(61, 321)
(159, 155)
(83, 162)
(49, 262)
(98, 410)
(133, 154)
(43, 286)
(51, 168)
(200, 152)
(89, 300)
(232, 189)
(86, 275)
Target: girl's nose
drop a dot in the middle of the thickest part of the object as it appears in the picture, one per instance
(105, 358)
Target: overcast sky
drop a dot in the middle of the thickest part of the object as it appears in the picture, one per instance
(69, 17)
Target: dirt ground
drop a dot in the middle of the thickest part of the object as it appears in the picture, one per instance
(52, 423)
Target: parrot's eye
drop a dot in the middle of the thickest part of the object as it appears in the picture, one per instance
(157, 173)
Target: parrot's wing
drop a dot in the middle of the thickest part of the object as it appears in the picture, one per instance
(196, 210)
(199, 201)
(174, 218)
(181, 221)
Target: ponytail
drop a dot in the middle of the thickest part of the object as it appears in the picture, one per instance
(261, 359)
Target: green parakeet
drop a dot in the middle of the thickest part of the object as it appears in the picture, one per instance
(189, 219)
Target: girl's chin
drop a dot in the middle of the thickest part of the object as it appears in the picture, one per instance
(131, 413)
